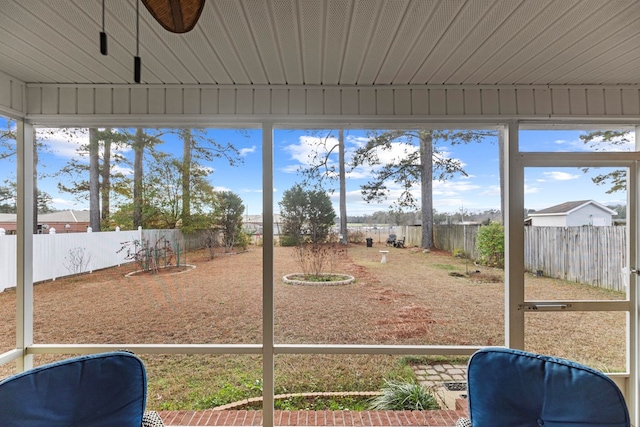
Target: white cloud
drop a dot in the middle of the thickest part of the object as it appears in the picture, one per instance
(307, 145)
(492, 190)
(356, 205)
(453, 187)
(528, 189)
(356, 141)
(397, 152)
(303, 151)
(121, 169)
(207, 170)
(65, 142)
(618, 145)
(289, 169)
(245, 151)
(598, 144)
(59, 201)
(560, 176)
(358, 173)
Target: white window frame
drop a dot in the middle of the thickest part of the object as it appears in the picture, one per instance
(515, 162)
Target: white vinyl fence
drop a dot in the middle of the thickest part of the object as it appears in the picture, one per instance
(63, 254)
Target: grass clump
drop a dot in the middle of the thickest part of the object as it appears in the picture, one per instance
(399, 396)
(448, 267)
(321, 404)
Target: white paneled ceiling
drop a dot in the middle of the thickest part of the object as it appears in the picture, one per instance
(329, 42)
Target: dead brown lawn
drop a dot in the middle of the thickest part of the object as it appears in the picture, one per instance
(412, 299)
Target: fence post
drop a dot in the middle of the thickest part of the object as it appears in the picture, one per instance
(54, 258)
(117, 230)
(90, 245)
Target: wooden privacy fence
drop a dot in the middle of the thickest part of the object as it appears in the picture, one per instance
(455, 237)
(590, 255)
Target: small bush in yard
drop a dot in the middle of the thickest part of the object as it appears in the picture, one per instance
(314, 259)
(404, 396)
(458, 253)
(355, 236)
(490, 243)
(287, 240)
(242, 240)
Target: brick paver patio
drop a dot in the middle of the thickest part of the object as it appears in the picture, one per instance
(211, 417)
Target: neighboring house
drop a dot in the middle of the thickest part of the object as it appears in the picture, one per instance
(8, 222)
(573, 214)
(70, 221)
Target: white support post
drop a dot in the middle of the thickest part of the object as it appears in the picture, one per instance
(633, 320)
(268, 345)
(25, 141)
(514, 239)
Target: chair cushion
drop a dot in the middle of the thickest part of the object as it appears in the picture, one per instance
(100, 390)
(514, 388)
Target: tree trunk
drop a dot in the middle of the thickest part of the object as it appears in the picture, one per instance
(343, 189)
(106, 178)
(187, 139)
(94, 180)
(426, 180)
(138, 149)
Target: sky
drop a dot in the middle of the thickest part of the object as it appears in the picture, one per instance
(476, 191)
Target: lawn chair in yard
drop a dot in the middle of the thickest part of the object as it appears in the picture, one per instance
(391, 239)
(399, 243)
(99, 390)
(507, 387)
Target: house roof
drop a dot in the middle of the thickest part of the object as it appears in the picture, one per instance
(568, 207)
(70, 216)
(329, 42)
(65, 216)
(7, 217)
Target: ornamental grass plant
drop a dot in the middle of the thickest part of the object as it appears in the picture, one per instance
(404, 396)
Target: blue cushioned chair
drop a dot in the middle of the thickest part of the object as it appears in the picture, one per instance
(100, 390)
(519, 389)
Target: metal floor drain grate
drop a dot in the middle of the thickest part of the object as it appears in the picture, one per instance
(456, 386)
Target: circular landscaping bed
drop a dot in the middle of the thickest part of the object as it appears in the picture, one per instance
(323, 279)
(168, 270)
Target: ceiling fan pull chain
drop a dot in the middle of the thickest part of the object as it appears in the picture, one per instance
(103, 35)
(137, 61)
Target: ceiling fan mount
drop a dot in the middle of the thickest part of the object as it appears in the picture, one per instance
(176, 16)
